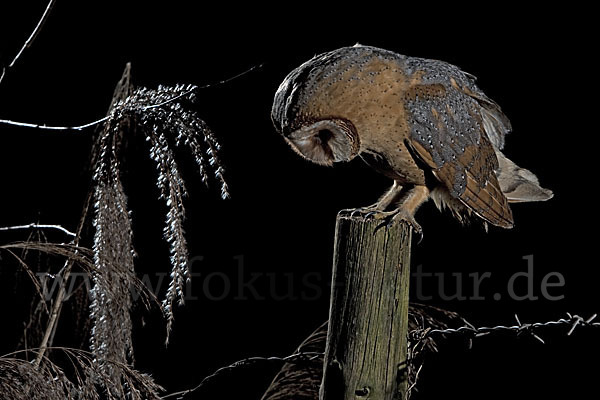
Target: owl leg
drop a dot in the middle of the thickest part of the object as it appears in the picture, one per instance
(389, 198)
(408, 206)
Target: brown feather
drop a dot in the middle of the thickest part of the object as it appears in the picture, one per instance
(481, 192)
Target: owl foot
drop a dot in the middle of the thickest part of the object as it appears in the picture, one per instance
(388, 218)
(364, 212)
(408, 218)
(394, 217)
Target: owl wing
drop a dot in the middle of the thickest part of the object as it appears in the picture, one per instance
(447, 133)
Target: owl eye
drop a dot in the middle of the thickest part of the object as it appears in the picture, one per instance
(324, 135)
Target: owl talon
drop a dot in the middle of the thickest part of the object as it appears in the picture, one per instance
(358, 212)
(346, 212)
(364, 212)
(372, 214)
(410, 219)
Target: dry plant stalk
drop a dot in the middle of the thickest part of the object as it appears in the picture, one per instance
(21, 380)
(161, 117)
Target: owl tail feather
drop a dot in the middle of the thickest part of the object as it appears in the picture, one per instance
(518, 184)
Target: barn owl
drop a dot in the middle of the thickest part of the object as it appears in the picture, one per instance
(422, 123)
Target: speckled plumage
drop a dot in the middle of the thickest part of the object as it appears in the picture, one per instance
(423, 123)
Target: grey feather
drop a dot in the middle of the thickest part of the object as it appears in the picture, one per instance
(519, 184)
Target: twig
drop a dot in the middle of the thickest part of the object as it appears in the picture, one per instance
(101, 120)
(254, 67)
(54, 128)
(32, 37)
(37, 226)
(35, 32)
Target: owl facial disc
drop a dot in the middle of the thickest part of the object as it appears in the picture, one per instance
(325, 142)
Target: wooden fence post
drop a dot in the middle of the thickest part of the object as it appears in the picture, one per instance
(365, 356)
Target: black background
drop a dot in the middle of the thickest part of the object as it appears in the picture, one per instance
(280, 220)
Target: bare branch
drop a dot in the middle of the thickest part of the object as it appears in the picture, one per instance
(35, 32)
(37, 226)
(53, 128)
(254, 67)
(102, 120)
(31, 38)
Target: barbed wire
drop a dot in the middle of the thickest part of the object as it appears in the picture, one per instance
(573, 321)
(296, 358)
(415, 337)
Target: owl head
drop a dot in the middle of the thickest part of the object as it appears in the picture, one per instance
(313, 129)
